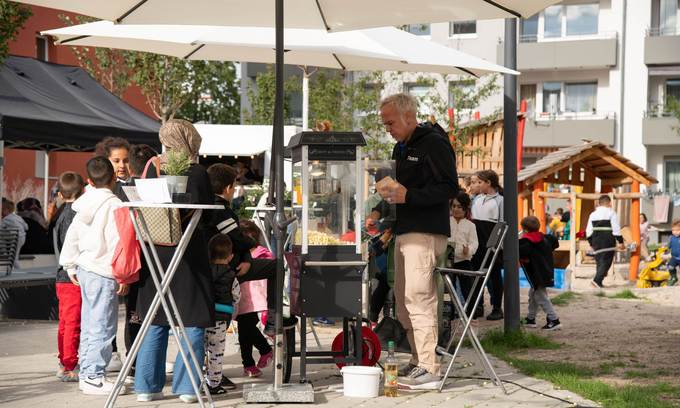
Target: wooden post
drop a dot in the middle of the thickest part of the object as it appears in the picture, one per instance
(539, 203)
(635, 232)
(587, 206)
(572, 232)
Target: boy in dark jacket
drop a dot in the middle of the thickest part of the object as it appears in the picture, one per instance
(226, 222)
(68, 294)
(536, 257)
(220, 247)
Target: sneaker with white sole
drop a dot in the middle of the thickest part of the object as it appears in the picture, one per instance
(98, 386)
(405, 369)
(148, 397)
(531, 323)
(115, 364)
(188, 398)
(420, 379)
(552, 325)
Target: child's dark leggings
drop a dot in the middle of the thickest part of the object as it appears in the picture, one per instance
(248, 336)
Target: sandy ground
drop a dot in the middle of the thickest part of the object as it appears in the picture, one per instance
(638, 336)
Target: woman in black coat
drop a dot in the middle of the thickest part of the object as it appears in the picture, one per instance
(191, 285)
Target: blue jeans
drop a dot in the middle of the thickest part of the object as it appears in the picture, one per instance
(98, 322)
(150, 365)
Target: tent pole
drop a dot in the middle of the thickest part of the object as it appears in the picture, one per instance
(46, 183)
(305, 99)
(510, 245)
(277, 153)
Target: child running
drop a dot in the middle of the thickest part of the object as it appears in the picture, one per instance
(536, 256)
(86, 256)
(70, 187)
(253, 300)
(603, 233)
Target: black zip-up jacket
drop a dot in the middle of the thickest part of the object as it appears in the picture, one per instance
(225, 221)
(58, 233)
(426, 166)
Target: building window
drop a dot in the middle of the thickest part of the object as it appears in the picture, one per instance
(581, 97)
(672, 90)
(552, 27)
(418, 29)
(41, 48)
(582, 19)
(462, 27)
(551, 97)
(459, 91)
(417, 90)
(529, 29)
(668, 16)
(672, 175)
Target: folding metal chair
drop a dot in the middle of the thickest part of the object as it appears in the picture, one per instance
(481, 276)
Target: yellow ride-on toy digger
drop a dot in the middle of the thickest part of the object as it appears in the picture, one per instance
(652, 275)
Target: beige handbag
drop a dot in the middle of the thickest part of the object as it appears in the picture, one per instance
(164, 224)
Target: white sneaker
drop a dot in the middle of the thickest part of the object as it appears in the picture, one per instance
(149, 397)
(115, 364)
(98, 386)
(188, 398)
(169, 367)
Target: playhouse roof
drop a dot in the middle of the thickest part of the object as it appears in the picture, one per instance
(594, 157)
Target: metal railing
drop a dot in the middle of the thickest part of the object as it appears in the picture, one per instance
(657, 110)
(662, 31)
(542, 116)
(532, 38)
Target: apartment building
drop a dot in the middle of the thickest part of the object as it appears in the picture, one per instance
(599, 70)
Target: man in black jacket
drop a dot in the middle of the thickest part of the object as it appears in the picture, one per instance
(426, 179)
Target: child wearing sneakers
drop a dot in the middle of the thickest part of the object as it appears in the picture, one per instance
(536, 257)
(221, 254)
(253, 299)
(70, 187)
(86, 256)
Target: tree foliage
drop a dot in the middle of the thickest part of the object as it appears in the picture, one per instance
(217, 100)
(12, 18)
(262, 97)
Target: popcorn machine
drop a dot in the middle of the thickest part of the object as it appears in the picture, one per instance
(325, 260)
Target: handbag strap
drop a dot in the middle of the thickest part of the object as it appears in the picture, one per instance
(154, 160)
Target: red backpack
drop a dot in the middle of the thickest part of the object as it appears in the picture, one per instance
(126, 261)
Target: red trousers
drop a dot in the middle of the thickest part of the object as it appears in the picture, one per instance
(68, 336)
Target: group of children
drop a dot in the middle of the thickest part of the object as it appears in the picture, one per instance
(474, 213)
(85, 238)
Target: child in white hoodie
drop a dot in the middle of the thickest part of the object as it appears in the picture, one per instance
(86, 256)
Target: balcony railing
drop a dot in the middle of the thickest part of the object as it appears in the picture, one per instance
(662, 31)
(532, 38)
(543, 116)
(657, 110)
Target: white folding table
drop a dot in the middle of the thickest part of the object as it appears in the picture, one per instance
(162, 278)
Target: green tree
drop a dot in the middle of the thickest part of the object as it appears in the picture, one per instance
(262, 97)
(216, 100)
(12, 18)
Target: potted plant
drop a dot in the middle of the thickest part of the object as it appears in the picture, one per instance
(175, 169)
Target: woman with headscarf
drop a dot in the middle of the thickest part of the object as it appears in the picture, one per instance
(191, 285)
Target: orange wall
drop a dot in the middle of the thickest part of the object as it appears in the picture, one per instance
(20, 163)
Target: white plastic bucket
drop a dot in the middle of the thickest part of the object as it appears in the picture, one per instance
(362, 382)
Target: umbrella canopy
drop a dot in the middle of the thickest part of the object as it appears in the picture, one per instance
(385, 48)
(331, 15)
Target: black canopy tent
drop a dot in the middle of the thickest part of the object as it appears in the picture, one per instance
(50, 107)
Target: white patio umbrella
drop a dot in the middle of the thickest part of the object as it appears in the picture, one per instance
(331, 15)
(385, 48)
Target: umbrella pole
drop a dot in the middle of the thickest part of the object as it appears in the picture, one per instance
(511, 244)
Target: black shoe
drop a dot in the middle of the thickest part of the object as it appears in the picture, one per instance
(552, 325)
(217, 390)
(270, 326)
(496, 314)
(596, 285)
(529, 323)
(227, 384)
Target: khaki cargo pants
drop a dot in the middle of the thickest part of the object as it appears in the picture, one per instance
(415, 258)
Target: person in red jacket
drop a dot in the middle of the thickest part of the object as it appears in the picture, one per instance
(536, 257)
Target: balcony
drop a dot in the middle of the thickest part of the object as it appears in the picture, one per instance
(659, 127)
(566, 129)
(662, 45)
(572, 52)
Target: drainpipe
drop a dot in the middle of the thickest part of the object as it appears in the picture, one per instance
(619, 142)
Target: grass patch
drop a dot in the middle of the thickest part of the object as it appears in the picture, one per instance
(638, 374)
(565, 298)
(624, 294)
(577, 378)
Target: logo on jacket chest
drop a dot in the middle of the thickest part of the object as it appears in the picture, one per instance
(414, 159)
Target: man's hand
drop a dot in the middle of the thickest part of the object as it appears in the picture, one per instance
(397, 194)
(123, 289)
(74, 279)
(242, 268)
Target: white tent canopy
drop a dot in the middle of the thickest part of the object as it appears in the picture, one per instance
(331, 15)
(239, 140)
